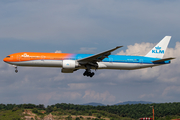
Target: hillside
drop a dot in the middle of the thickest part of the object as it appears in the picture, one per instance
(133, 102)
(163, 111)
(94, 104)
(28, 114)
(121, 103)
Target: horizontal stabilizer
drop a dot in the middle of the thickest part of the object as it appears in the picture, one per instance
(162, 60)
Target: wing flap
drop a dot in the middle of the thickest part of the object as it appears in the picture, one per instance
(162, 60)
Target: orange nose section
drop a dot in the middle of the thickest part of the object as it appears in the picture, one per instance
(5, 60)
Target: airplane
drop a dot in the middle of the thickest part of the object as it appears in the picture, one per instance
(104, 60)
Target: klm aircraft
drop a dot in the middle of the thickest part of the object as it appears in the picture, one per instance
(71, 62)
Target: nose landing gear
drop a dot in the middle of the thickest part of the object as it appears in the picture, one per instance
(16, 70)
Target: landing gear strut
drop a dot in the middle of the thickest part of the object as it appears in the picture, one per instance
(16, 69)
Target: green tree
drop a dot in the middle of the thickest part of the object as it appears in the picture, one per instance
(55, 108)
(35, 110)
(90, 113)
(49, 109)
(98, 115)
(14, 109)
(69, 117)
(77, 118)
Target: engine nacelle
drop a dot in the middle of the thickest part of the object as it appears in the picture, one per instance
(69, 64)
(101, 65)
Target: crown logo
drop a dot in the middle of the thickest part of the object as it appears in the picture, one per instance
(158, 48)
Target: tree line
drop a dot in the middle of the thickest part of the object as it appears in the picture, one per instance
(132, 111)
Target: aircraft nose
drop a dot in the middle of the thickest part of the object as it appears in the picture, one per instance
(5, 59)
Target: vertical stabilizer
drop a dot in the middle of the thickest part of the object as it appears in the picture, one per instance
(159, 50)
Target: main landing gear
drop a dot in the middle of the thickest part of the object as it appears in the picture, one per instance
(88, 73)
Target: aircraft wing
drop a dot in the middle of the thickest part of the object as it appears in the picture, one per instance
(97, 57)
(162, 60)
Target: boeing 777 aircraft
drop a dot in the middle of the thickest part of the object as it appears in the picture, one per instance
(104, 60)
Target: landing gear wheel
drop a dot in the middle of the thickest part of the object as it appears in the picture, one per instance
(92, 74)
(88, 74)
(16, 71)
(85, 73)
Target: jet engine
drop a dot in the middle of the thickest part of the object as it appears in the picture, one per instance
(69, 64)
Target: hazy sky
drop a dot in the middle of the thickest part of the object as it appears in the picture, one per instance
(88, 27)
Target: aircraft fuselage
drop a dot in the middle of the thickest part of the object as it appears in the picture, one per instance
(120, 62)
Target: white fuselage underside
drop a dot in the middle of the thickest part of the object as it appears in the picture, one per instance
(102, 65)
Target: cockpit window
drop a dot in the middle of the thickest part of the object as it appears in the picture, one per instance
(8, 56)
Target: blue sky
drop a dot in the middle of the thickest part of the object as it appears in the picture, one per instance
(88, 27)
